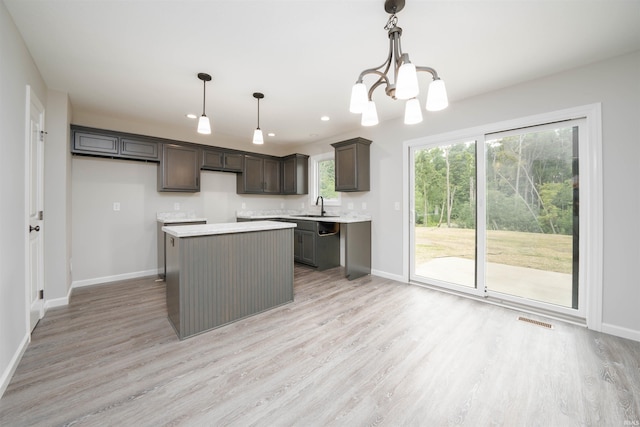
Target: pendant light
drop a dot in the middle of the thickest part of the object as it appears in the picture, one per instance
(204, 126)
(257, 134)
(399, 78)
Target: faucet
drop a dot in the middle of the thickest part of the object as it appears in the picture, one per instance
(321, 199)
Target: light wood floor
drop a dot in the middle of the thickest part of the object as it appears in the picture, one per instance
(367, 352)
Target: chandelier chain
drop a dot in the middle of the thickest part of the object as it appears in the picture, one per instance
(392, 22)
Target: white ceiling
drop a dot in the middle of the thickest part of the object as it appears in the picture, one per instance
(139, 58)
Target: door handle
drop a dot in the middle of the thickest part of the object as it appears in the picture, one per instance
(32, 228)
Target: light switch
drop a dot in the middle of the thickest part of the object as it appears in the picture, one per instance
(116, 206)
(396, 206)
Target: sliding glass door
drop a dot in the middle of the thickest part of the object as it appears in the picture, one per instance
(497, 215)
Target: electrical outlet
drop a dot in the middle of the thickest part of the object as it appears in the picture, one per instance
(364, 206)
(244, 206)
(396, 206)
(281, 205)
(350, 206)
(302, 205)
(116, 206)
(176, 206)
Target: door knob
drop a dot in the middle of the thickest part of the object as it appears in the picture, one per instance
(32, 228)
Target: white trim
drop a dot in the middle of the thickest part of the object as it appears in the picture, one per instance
(58, 302)
(313, 179)
(13, 364)
(591, 179)
(115, 278)
(390, 276)
(619, 331)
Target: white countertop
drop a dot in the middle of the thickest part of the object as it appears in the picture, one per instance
(266, 215)
(225, 228)
(178, 217)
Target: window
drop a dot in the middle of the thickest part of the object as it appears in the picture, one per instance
(323, 179)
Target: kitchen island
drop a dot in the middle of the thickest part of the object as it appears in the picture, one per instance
(220, 273)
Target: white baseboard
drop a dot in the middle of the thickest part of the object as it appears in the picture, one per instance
(619, 331)
(117, 277)
(13, 364)
(58, 302)
(386, 275)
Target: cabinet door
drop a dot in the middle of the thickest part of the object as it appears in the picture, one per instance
(138, 149)
(295, 169)
(89, 143)
(352, 165)
(179, 169)
(233, 162)
(346, 168)
(212, 159)
(251, 179)
(272, 176)
(304, 247)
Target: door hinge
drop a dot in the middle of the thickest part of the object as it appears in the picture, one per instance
(41, 215)
(41, 294)
(42, 134)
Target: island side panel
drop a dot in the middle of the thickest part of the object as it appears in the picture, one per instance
(226, 277)
(357, 245)
(172, 281)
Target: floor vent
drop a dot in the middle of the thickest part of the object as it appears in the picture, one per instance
(536, 322)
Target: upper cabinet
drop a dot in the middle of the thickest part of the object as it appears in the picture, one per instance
(294, 174)
(352, 164)
(181, 162)
(112, 144)
(221, 160)
(260, 175)
(179, 168)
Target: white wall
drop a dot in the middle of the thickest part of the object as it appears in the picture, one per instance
(109, 245)
(17, 70)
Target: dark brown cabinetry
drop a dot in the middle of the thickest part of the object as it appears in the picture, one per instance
(260, 175)
(220, 160)
(111, 144)
(317, 243)
(294, 174)
(352, 164)
(179, 168)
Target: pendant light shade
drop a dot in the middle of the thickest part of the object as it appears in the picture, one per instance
(258, 138)
(437, 97)
(204, 126)
(412, 112)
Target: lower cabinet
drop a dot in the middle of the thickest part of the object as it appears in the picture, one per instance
(317, 244)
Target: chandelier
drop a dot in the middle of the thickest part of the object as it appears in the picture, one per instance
(404, 85)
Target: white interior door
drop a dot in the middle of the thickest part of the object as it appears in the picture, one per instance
(35, 141)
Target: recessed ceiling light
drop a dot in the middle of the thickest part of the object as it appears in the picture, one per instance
(271, 134)
(325, 118)
(191, 116)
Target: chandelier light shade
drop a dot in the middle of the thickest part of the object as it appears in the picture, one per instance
(204, 126)
(399, 77)
(412, 112)
(258, 138)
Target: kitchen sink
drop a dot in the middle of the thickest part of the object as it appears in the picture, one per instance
(316, 216)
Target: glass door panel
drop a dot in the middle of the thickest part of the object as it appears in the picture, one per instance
(444, 206)
(532, 215)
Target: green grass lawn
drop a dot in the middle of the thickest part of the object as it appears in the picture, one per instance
(550, 252)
